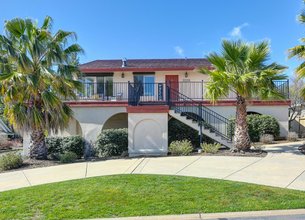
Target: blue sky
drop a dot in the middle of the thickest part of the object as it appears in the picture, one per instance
(113, 29)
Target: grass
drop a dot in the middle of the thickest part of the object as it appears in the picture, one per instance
(134, 195)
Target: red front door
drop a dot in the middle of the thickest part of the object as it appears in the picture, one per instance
(173, 82)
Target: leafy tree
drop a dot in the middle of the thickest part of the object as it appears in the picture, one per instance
(37, 73)
(242, 68)
(296, 97)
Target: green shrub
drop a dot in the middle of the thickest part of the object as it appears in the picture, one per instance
(73, 144)
(54, 147)
(210, 148)
(259, 125)
(112, 142)
(10, 161)
(61, 145)
(182, 148)
(178, 131)
(68, 157)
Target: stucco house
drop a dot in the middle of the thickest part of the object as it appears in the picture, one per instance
(144, 94)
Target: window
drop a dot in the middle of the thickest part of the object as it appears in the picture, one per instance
(101, 86)
(147, 82)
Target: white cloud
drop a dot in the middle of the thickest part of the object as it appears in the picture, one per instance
(179, 51)
(236, 31)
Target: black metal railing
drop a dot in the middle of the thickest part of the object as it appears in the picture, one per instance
(204, 116)
(283, 87)
(146, 94)
(154, 92)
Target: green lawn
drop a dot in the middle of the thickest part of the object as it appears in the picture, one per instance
(132, 195)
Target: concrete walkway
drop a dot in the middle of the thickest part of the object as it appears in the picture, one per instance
(283, 167)
(293, 214)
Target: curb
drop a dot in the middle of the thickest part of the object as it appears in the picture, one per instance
(215, 216)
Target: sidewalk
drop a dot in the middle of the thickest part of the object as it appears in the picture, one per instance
(292, 214)
(283, 167)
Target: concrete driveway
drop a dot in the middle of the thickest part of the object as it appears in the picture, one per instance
(283, 167)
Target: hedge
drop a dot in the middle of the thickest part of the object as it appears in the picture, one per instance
(112, 142)
(61, 145)
(259, 125)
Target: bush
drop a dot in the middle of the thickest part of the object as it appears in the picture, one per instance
(73, 144)
(112, 142)
(54, 147)
(182, 148)
(210, 148)
(266, 138)
(10, 161)
(178, 131)
(259, 125)
(292, 136)
(61, 145)
(68, 157)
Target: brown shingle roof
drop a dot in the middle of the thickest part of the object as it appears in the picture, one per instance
(144, 64)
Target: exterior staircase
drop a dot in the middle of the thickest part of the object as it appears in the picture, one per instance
(200, 118)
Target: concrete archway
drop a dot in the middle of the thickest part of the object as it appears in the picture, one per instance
(73, 128)
(119, 120)
(253, 113)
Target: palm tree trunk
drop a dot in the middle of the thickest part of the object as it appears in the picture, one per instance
(38, 148)
(241, 135)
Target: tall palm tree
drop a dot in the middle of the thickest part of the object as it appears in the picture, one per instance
(299, 52)
(36, 74)
(241, 68)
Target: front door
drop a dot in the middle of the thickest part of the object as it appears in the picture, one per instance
(173, 82)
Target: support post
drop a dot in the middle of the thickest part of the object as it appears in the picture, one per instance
(200, 124)
(201, 90)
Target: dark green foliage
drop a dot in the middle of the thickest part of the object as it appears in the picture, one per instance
(54, 147)
(178, 131)
(10, 161)
(68, 157)
(61, 145)
(259, 125)
(73, 144)
(112, 142)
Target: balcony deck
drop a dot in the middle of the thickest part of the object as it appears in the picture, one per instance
(126, 93)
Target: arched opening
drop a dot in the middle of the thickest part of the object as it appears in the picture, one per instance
(119, 120)
(253, 113)
(73, 128)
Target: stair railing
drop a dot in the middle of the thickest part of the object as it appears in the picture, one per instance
(204, 116)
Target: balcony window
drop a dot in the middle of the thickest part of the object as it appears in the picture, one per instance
(146, 82)
(101, 86)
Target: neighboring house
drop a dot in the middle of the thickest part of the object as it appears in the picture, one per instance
(143, 94)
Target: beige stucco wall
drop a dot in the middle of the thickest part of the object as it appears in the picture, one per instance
(193, 75)
(147, 134)
(92, 119)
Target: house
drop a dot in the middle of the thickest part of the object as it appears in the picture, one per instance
(143, 94)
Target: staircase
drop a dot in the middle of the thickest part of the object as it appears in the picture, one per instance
(200, 118)
(4, 129)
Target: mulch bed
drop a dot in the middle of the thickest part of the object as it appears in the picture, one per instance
(228, 152)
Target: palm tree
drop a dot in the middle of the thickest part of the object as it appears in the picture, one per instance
(299, 52)
(241, 68)
(36, 74)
